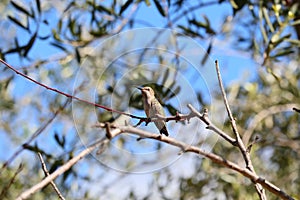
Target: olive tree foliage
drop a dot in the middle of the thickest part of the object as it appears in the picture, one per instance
(50, 40)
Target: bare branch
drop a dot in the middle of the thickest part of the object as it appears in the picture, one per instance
(68, 95)
(246, 155)
(34, 135)
(12, 180)
(47, 174)
(26, 194)
(213, 157)
(204, 117)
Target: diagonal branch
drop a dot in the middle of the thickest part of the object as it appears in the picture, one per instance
(26, 194)
(116, 130)
(33, 136)
(60, 196)
(246, 155)
(68, 95)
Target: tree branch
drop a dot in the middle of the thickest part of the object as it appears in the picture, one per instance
(60, 196)
(246, 155)
(26, 194)
(34, 135)
(68, 95)
(213, 157)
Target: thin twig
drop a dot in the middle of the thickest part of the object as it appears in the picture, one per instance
(203, 117)
(296, 109)
(26, 194)
(68, 95)
(60, 196)
(34, 135)
(12, 180)
(246, 155)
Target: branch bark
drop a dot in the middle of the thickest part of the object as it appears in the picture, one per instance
(26, 194)
(246, 155)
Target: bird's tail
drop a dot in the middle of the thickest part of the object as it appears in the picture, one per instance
(164, 131)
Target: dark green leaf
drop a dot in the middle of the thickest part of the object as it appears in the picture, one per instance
(60, 141)
(159, 8)
(21, 9)
(30, 44)
(169, 90)
(77, 54)
(275, 42)
(44, 37)
(189, 32)
(166, 75)
(56, 165)
(18, 23)
(282, 53)
(205, 25)
(60, 46)
(175, 92)
(72, 3)
(171, 109)
(104, 9)
(125, 6)
(38, 5)
(206, 56)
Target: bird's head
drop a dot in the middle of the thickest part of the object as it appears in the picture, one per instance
(147, 92)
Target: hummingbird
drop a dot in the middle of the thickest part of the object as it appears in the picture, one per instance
(153, 107)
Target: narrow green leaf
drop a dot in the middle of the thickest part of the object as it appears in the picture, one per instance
(71, 4)
(261, 27)
(190, 32)
(59, 46)
(147, 2)
(125, 6)
(77, 55)
(166, 75)
(282, 53)
(176, 92)
(44, 37)
(171, 109)
(276, 40)
(18, 23)
(30, 44)
(21, 9)
(295, 42)
(296, 22)
(206, 25)
(38, 5)
(159, 8)
(204, 59)
(267, 18)
(59, 140)
(104, 9)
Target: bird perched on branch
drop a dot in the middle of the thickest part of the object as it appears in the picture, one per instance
(152, 107)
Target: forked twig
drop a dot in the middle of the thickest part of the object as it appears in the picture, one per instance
(60, 196)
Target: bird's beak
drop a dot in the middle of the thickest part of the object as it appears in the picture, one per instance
(140, 88)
